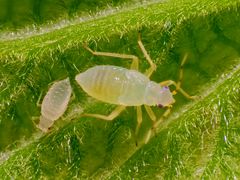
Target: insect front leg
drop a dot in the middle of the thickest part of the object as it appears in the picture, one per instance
(109, 117)
(181, 71)
(165, 114)
(178, 84)
(150, 113)
(184, 93)
(156, 124)
(135, 60)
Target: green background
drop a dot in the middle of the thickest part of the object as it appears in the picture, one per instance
(200, 139)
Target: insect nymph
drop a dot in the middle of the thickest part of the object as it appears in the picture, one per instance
(54, 103)
(128, 87)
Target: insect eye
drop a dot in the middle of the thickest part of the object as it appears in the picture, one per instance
(160, 105)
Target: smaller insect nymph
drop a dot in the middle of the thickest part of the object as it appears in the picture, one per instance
(54, 103)
(128, 87)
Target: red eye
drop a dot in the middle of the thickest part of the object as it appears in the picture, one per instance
(160, 106)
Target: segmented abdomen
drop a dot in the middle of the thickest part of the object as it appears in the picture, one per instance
(55, 103)
(113, 84)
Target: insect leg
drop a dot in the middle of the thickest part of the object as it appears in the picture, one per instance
(178, 84)
(156, 124)
(139, 122)
(184, 93)
(39, 99)
(153, 118)
(139, 119)
(165, 114)
(181, 71)
(152, 68)
(150, 113)
(135, 60)
(109, 117)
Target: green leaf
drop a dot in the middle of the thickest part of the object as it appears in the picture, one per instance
(200, 139)
(16, 14)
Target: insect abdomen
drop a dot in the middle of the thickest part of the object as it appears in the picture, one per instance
(113, 84)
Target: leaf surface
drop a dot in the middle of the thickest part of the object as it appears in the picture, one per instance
(200, 139)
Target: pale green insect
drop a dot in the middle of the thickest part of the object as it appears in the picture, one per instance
(121, 86)
(54, 103)
(128, 87)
